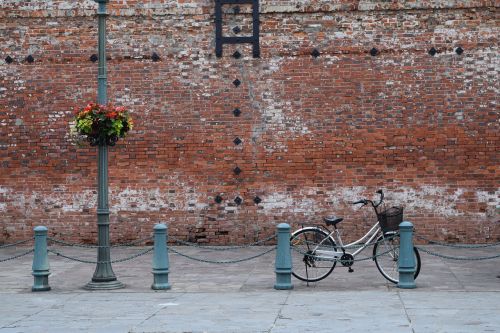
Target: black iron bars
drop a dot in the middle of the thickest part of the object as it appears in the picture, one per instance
(221, 40)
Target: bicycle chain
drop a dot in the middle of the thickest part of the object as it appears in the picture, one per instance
(338, 260)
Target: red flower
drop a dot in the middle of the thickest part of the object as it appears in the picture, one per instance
(112, 115)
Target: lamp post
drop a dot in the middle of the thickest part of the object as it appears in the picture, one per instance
(104, 277)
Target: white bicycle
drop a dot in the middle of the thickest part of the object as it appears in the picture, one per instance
(317, 249)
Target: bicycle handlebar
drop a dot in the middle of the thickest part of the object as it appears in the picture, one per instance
(366, 201)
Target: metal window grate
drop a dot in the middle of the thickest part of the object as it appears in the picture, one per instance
(220, 40)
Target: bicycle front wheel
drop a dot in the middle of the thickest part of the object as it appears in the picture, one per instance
(386, 255)
(310, 259)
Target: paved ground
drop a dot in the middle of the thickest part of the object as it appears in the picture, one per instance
(451, 296)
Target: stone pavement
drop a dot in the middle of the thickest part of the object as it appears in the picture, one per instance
(451, 296)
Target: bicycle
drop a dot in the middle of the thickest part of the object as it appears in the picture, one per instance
(317, 249)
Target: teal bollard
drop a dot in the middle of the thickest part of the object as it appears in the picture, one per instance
(406, 260)
(160, 259)
(283, 259)
(40, 261)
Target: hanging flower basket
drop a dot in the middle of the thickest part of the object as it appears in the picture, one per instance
(103, 124)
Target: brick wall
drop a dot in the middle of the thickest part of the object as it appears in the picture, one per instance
(316, 132)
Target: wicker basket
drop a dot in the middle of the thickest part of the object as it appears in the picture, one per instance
(390, 219)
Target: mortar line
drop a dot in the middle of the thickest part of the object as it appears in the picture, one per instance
(406, 312)
(280, 311)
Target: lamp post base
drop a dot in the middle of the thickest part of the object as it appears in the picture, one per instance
(107, 285)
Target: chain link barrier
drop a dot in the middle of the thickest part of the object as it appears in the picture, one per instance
(460, 246)
(457, 246)
(221, 248)
(16, 243)
(99, 246)
(456, 258)
(221, 261)
(5, 246)
(57, 241)
(102, 262)
(212, 248)
(18, 256)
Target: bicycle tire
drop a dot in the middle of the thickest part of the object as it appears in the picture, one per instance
(305, 265)
(386, 254)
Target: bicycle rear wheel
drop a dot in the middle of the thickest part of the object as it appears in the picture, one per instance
(306, 264)
(386, 255)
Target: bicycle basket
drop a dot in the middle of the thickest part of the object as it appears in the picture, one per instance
(390, 219)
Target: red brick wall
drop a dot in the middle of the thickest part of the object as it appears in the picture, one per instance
(316, 132)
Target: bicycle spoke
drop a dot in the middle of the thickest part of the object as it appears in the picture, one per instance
(386, 253)
(307, 266)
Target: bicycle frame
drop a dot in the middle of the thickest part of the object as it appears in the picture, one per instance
(335, 235)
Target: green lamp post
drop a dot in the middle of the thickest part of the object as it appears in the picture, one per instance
(104, 277)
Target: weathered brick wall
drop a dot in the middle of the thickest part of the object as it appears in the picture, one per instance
(316, 132)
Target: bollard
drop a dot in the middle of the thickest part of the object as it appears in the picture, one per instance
(283, 259)
(406, 260)
(160, 259)
(40, 261)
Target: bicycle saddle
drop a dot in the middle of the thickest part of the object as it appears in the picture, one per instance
(332, 220)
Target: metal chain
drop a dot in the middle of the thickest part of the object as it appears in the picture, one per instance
(222, 261)
(462, 246)
(133, 256)
(456, 258)
(221, 248)
(71, 244)
(17, 256)
(16, 243)
(101, 262)
(98, 246)
(72, 258)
